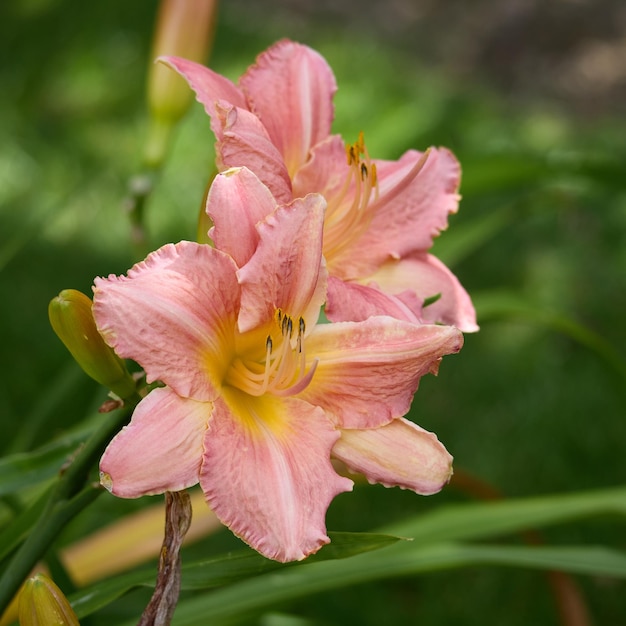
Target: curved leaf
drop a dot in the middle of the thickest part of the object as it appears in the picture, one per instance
(22, 470)
(223, 570)
(261, 593)
(491, 519)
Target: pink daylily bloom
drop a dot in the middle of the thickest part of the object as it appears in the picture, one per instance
(277, 122)
(257, 396)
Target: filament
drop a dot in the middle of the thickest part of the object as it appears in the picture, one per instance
(283, 370)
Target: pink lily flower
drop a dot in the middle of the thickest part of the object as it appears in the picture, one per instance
(257, 396)
(382, 216)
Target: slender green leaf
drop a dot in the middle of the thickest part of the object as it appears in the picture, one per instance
(282, 619)
(257, 594)
(490, 519)
(23, 470)
(19, 528)
(223, 570)
(87, 601)
(430, 549)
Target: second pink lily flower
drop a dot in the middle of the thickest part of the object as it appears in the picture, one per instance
(381, 216)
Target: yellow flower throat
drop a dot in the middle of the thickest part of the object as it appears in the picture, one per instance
(282, 371)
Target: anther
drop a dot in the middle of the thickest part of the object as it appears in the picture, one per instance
(361, 143)
(352, 154)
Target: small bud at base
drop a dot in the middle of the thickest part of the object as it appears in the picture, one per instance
(42, 603)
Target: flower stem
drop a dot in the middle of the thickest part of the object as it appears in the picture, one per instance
(161, 607)
(140, 187)
(71, 494)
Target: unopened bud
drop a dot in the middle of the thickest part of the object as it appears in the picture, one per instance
(185, 29)
(72, 319)
(42, 603)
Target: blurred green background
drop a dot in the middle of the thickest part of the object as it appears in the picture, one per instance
(530, 98)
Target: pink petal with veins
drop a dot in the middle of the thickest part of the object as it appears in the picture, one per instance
(291, 88)
(160, 450)
(399, 454)
(266, 473)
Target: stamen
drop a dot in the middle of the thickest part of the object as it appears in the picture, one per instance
(283, 371)
(301, 329)
(347, 219)
(301, 384)
(374, 178)
(266, 374)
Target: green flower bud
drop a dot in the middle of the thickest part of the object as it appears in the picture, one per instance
(185, 29)
(42, 603)
(72, 320)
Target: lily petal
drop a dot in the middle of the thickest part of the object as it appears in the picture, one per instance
(286, 271)
(242, 140)
(427, 276)
(325, 171)
(275, 454)
(237, 201)
(368, 371)
(399, 454)
(160, 450)
(170, 313)
(416, 195)
(291, 88)
(208, 85)
(352, 302)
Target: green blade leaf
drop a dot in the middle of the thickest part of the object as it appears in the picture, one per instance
(430, 550)
(254, 595)
(490, 519)
(19, 528)
(23, 470)
(223, 570)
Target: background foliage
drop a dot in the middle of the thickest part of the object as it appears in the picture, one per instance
(533, 405)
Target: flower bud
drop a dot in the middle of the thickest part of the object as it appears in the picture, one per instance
(42, 603)
(72, 320)
(184, 28)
